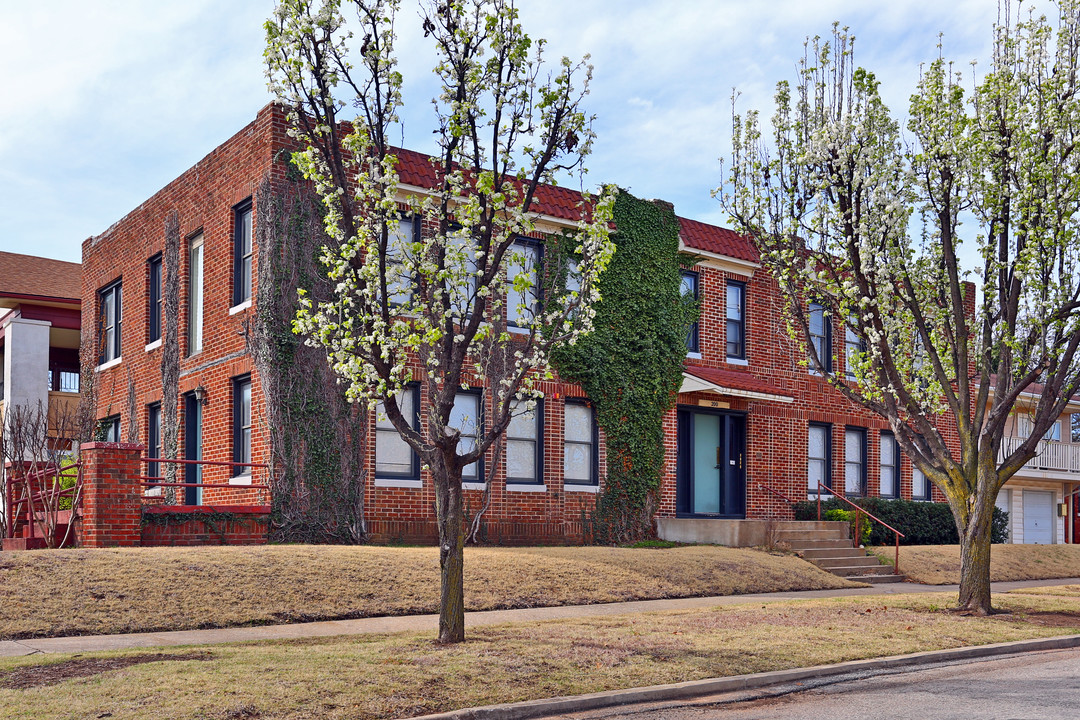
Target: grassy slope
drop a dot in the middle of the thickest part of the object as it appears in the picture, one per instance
(940, 564)
(73, 592)
(407, 674)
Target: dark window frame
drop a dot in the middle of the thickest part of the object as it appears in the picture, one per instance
(539, 455)
(693, 335)
(413, 223)
(538, 283)
(858, 344)
(826, 321)
(242, 261)
(594, 470)
(741, 354)
(478, 393)
(111, 294)
(109, 428)
(154, 298)
(238, 384)
(929, 491)
(153, 440)
(861, 492)
(828, 428)
(886, 434)
(414, 473)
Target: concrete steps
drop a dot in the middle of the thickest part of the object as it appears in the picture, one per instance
(828, 545)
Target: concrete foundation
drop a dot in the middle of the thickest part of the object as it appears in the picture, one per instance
(732, 533)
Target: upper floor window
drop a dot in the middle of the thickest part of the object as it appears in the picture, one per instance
(195, 295)
(580, 457)
(394, 457)
(462, 294)
(820, 336)
(399, 284)
(242, 424)
(736, 320)
(1024, 426)
(465, 416)
(60, 379)
(154, 299)
(853, 348)
(690, 289)
(1074, 427)
(242, 252)
(890, 466)
(523, 290)
(110, 313)
(524, 444)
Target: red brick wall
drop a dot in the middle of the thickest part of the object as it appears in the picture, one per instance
(249, 525)
(110, 504)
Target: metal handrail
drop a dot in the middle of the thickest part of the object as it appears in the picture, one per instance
(184, 461)
(774, 492)
(858, 510)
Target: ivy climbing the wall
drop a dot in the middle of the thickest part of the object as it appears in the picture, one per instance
(317, 438)
(631, 365)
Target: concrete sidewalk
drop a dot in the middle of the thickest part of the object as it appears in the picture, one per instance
(91, 643)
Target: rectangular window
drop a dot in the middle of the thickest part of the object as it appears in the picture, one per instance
(1053, 432)
(581, 464)
(398, 282)
(242, 252)
(522, 305)
(110, 313)
(109, 429)
(242, 425)
(1074, 426)
(920, 487)
(153, 441)
(820, 336)
(195, 295)
(153, 299)
(394, 458)
(890, 466)
(524, 444)
(690, 288)
(462, 296)
(465, 415)
(853, 348)
(818, 458)
(736, 320)
(855, 461)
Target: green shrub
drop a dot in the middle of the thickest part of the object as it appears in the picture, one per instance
(923, 523)
(848, 516)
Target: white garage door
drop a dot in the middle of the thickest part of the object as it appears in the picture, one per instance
(1038, 517)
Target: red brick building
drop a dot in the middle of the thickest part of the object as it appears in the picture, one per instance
(752, 427)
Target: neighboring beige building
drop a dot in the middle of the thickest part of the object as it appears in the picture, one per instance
(1040, 498)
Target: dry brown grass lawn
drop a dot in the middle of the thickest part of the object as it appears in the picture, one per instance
(406, 674)
(80, 592)
(940, 564)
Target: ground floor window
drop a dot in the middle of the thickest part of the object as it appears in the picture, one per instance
(890, 466)
(109, 429)
(818, 453)
(242, 425)
(920, 487)
(466, 417)
(855, 461)
(580, 466)
(394, 458)
(524, 444)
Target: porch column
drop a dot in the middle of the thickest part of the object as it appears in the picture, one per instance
(112, 496)
(26, 364)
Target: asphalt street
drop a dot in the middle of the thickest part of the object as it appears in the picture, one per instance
(1033, 686)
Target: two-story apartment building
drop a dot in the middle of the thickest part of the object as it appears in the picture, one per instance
(752, 430)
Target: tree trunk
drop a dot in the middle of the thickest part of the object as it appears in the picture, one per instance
(975, 557)
(450, 517)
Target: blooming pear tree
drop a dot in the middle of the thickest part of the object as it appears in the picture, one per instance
(456, 304)
(861, 226)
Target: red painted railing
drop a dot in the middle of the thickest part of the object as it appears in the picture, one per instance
(159, 481)
(774, 492)
(859, 512)
(40, 494)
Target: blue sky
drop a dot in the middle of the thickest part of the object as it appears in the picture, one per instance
(105, 102)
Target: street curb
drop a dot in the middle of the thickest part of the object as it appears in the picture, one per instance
(698, 688)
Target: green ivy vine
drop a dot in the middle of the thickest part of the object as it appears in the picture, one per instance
(631, 364)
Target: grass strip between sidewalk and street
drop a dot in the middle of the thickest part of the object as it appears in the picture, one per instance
(407, 674)
(940, 564)
(95, 592)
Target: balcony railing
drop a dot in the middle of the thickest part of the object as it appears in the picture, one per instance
(1051, 455)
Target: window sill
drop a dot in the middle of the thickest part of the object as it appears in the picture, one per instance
(525, 487)
(473, 486)
(398, 483)
(241, 307)
(574, 487)
(153, 492)
(244, 479)
(738, 361)
(154, 345)
(106, 365)
(694, 355)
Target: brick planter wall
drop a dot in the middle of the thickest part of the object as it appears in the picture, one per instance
(112, 502)
(181, 525)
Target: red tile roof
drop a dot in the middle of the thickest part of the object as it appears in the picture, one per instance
(28, 275)
(718, 240)
(735, 380)
(415, 168)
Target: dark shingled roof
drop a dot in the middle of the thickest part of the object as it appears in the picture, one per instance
(39, 277)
